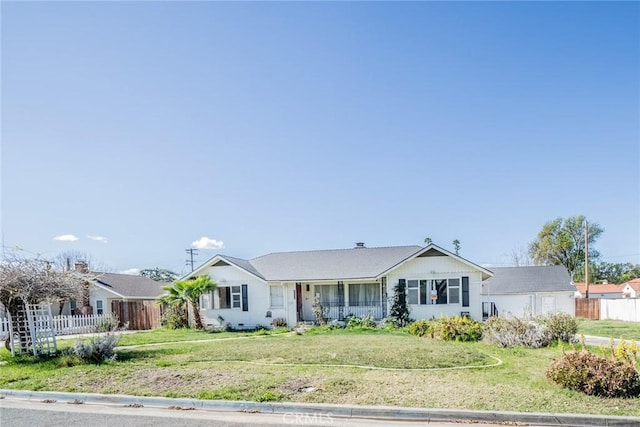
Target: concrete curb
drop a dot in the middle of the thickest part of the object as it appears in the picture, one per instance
(341, 411)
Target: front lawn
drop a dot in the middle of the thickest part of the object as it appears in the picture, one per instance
(609, 328)
(290, 367)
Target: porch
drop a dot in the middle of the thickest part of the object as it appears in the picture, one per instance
(341, 300)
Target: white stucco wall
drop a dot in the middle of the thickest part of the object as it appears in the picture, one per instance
(533, 304)
(439, 267)
(257, 297)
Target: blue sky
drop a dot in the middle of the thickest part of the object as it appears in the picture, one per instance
(295, 126)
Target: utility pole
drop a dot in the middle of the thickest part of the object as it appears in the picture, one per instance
(586, 257)
(191, 252)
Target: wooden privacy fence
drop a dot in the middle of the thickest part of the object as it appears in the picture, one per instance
(588, 308)
(137, 315)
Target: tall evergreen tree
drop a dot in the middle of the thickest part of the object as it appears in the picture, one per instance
(399, 313)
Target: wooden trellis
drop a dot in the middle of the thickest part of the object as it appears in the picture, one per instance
(32, 331)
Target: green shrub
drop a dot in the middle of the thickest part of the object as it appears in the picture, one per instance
(174, 317)
(107, 324)
(421, 328)
(457, 328)
(512, 331)
(279, 322)
(595, 375)
(454, 328)
(388, 324)
(562, 326)
(364, 322)
(68, 361)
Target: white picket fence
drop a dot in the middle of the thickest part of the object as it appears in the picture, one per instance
(4, 328)
(68, 325)
(627, 309)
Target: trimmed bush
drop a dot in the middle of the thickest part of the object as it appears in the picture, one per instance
(512, 331)
(562, 326)
(595, 375)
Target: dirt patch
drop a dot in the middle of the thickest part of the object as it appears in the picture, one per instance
(300, 385)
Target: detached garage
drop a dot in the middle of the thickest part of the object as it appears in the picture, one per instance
(528, 291)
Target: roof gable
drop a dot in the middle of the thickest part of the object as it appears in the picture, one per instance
(433, 250)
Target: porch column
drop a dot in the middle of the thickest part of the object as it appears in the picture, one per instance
(340, 300)
(384, 297)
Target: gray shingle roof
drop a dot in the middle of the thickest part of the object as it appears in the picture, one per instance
(131, 286)
(242, 263)
(519, 280)
(335, 264)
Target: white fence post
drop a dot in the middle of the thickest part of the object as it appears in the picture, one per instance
(70, 325)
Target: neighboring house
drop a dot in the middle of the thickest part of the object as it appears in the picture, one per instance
(631, 289)
(528, 291)
(131, 298)
(109, 287)
(599, 290)
(358, 281)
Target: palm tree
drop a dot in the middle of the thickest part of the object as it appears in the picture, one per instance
(188, 292)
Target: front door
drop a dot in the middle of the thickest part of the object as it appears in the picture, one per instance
(299, 302)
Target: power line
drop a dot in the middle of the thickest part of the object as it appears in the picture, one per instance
(191, 253)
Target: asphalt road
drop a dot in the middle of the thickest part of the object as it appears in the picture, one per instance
(29, 413)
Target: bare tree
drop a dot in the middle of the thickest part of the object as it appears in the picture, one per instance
(520, 257)
(83, 262)
(29, 281)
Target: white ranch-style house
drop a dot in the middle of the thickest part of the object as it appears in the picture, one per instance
(358, 281)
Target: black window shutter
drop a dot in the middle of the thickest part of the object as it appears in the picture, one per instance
(465, 292)
(245, 298)
(402, 291)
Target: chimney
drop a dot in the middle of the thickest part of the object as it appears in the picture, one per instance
(82, 267)
(360, 245)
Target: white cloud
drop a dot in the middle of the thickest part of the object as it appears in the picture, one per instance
(207, 243)
(66, 238)
(134, 271)
(98, 238)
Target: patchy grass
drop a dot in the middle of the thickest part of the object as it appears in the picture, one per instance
(162, 335)
(243, 369)
(609, 328)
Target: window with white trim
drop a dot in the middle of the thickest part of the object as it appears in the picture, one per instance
(229, 297)
(99, 307)
(205, 301)
(364, 294)
(433, 291)
(276, 296)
